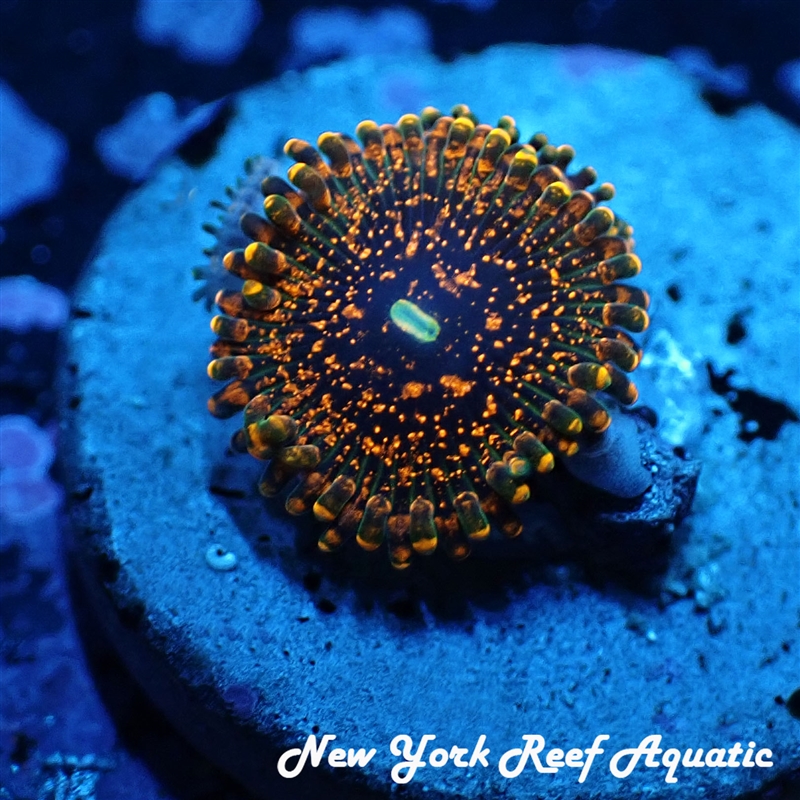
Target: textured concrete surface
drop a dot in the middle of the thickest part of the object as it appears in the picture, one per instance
(251, 661)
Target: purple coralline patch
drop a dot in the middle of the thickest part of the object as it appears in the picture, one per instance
(200, 30)
(27, 493)
(32, 155)
(470, 5)
(732, 81)
(242, 700)
(788, 79)
(583, 61)
(25, 449)
(151, 129)
(26, 303)
(30, 500)
(318, 34)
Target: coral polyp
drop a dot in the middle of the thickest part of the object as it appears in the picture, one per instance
(244, 195)
(431, 316)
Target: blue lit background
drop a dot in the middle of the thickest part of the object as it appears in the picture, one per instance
(93, 96)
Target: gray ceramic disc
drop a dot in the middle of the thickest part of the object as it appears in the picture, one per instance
(253, 660)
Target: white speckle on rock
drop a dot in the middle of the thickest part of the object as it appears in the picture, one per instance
(671, 384)
(220, 559)
(751, 426)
